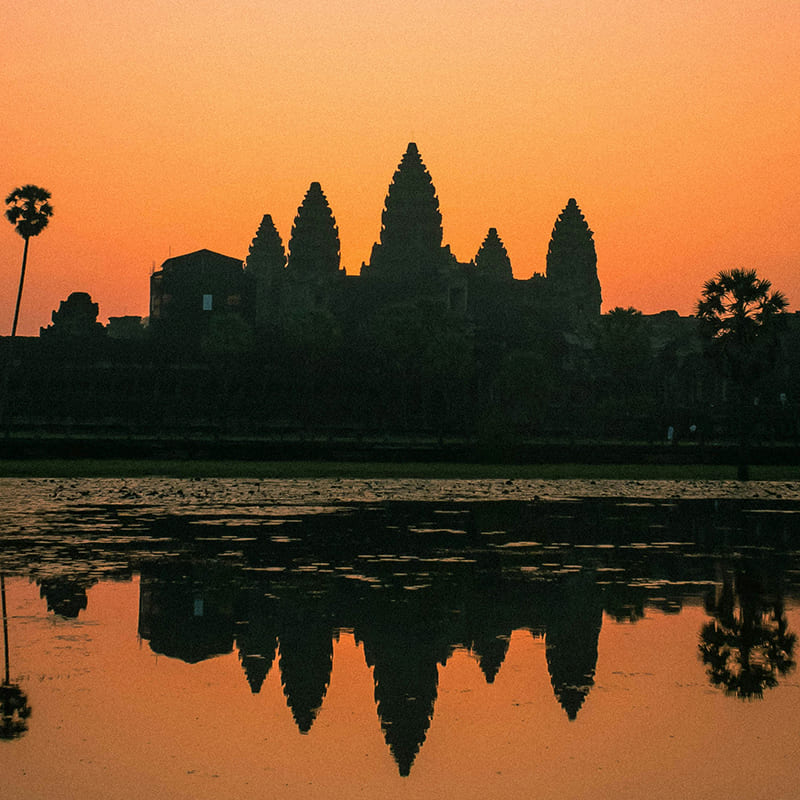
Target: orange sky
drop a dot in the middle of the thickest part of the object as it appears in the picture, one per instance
(165, 126)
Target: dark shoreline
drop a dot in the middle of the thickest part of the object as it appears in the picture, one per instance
(417, 449)
(323, 457)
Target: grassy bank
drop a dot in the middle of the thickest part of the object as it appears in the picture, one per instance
(132, 468)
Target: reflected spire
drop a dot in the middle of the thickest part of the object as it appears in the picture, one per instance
(257, 640)
(404, 646)
(256, 666)
(406, 683)
(575, 616)
(490, 653)
(306, 661)
(488, 617)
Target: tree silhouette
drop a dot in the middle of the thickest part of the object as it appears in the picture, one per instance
(66, 596)
(228, 334)
(410, 247)
(311, 339)
(14, 708)
(739, 311)
(14, 711)
(418, 363)
(739, 315)
(314, 246)
(492, 259)
(572, 264)
(746, 648)
(624, 359)
(29, 212)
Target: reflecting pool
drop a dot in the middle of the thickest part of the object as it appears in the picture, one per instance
(199, 639)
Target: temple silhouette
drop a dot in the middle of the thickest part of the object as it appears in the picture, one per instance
(408, 264)
(286, 355)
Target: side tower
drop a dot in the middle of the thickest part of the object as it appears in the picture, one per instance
(572, 265)
(264, 270)
(492, 259)
(313, 268)
(314, 248)
(410, 250)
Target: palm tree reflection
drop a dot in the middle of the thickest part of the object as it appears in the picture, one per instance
(747, 645)
(15, 711)
(14, 708)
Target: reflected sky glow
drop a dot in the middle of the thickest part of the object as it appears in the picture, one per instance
(408, 649)
(110, 715)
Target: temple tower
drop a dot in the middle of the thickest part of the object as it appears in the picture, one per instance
(313, 273)
(314, 247)
(572, 265)
(264, 268)
(492, 259)
(410, 250)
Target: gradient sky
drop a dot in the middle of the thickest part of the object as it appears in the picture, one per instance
(165, 126)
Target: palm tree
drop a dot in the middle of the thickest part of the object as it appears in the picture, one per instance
(14, 708)
(746, 646)
(739, 314)
(738, 309)
(29, 211)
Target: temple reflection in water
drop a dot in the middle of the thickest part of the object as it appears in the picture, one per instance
(416, 582)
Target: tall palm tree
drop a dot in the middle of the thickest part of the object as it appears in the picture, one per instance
(14, 707)
(739, 312)
(29, 211)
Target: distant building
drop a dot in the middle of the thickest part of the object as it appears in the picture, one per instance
(188, 290)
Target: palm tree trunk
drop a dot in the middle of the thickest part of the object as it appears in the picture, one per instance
(6, 379)
(5, 627)
(21, 282)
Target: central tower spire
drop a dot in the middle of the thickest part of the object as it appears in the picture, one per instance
(410, 247)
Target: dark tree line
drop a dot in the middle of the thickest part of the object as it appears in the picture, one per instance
(412, 368)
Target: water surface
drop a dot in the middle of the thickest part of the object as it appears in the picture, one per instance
(400, 639)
